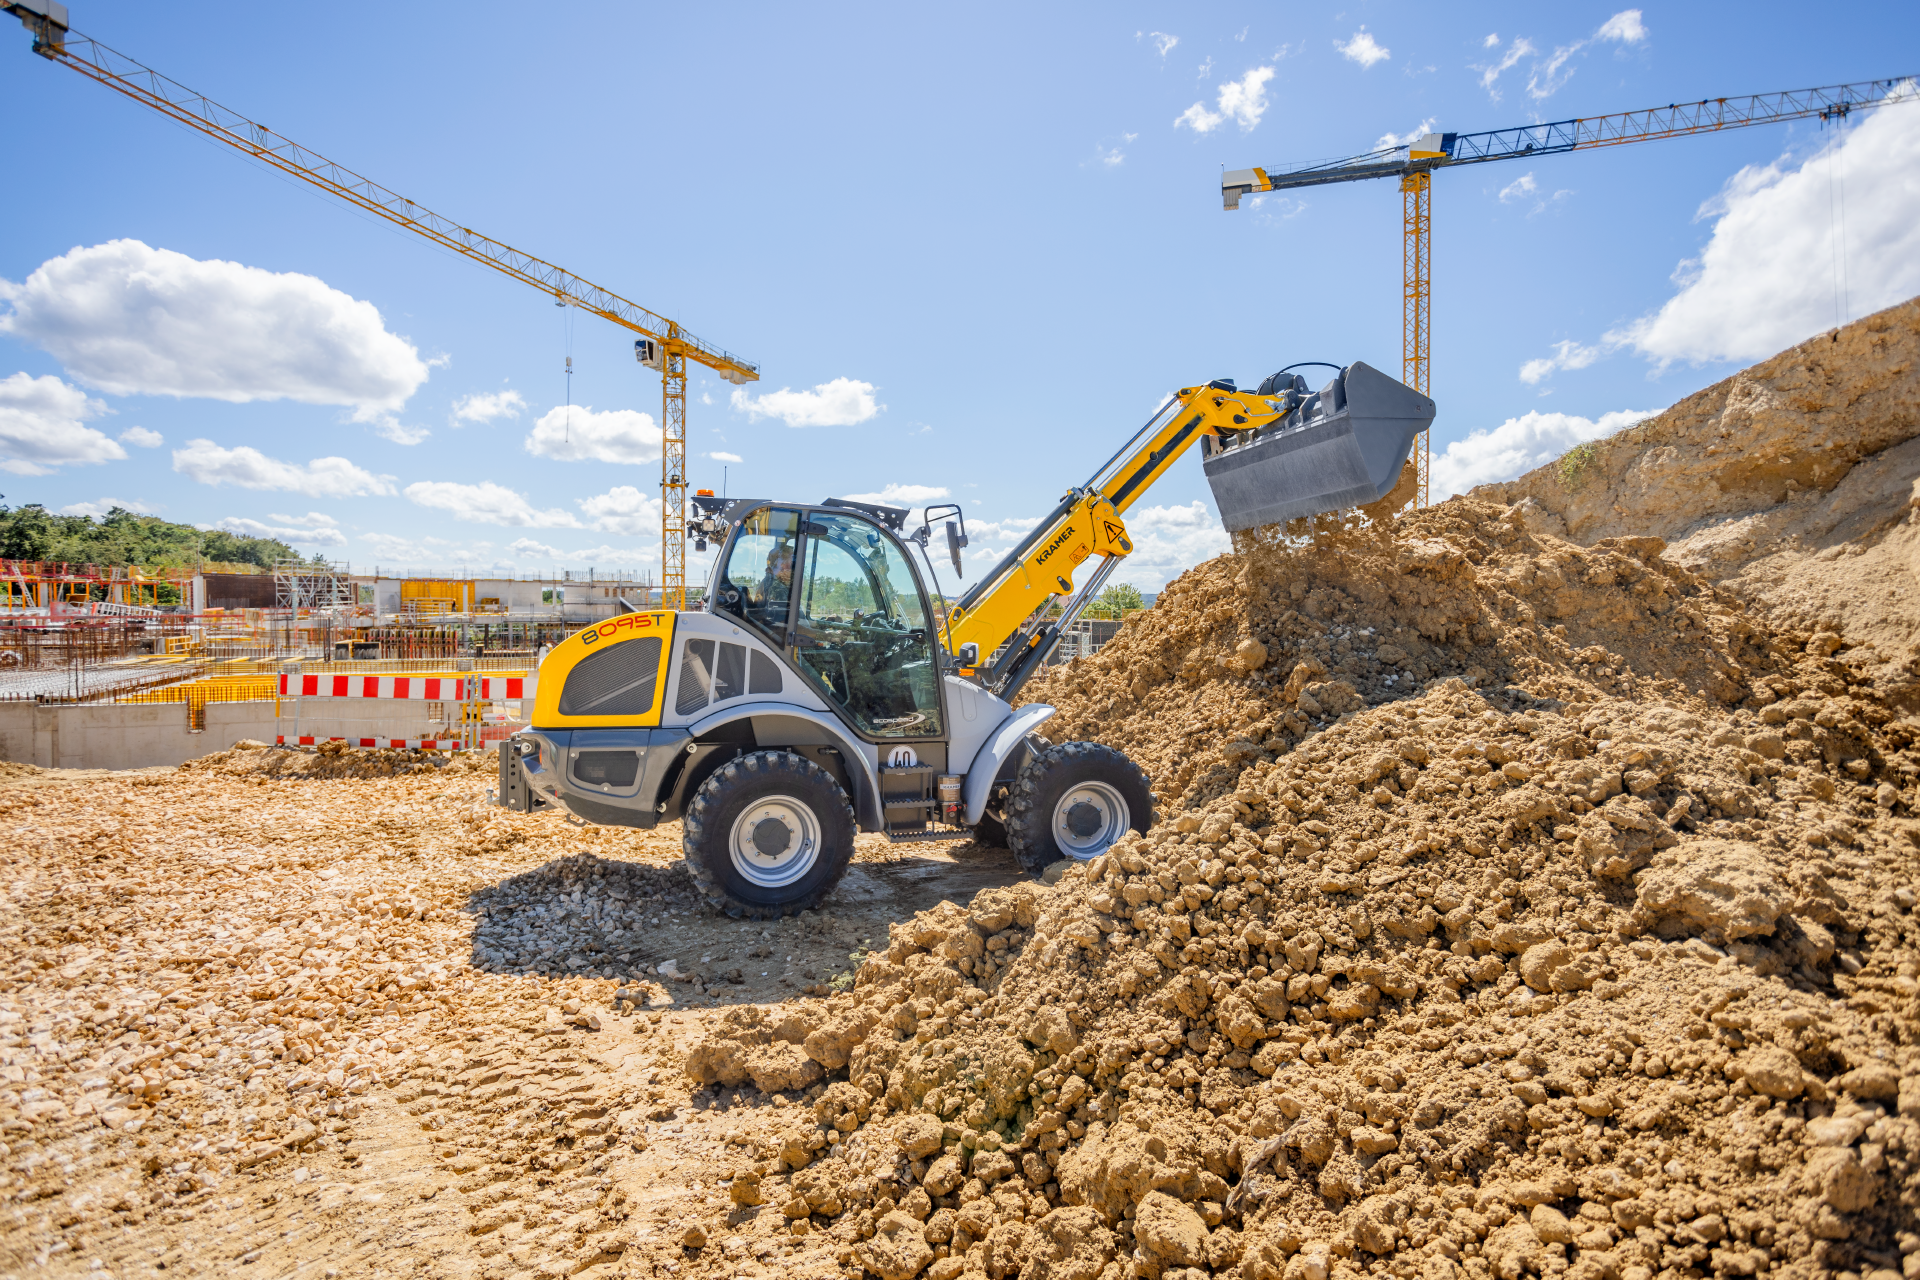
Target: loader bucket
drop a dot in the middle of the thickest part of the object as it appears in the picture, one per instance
(1343, 447)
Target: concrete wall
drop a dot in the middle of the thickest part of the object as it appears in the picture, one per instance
(143, 735)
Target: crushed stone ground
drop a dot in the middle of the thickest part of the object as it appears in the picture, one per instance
(1519, 907)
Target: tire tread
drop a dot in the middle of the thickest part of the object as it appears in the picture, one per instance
(1028, 822)
(709, 798)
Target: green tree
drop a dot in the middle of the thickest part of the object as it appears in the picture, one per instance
(123, 537)
(1120, 598)
(25, 533)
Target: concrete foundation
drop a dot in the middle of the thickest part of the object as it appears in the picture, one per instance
(144, 735)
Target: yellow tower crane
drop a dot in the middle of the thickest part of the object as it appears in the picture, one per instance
(1414, 166)
(663, 344)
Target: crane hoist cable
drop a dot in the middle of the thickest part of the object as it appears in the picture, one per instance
(1415, 163)
(664, 344)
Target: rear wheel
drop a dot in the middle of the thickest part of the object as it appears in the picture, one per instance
(768, 834)
(1075, 801)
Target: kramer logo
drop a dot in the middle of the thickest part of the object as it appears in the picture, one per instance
(1053, 546)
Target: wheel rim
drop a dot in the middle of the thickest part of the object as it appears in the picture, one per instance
(774, 842)
(1088, 818)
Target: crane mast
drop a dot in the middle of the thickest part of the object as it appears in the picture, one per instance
(1415, 165)
(664, 345)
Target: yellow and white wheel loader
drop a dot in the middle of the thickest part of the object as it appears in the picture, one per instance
(823, 691)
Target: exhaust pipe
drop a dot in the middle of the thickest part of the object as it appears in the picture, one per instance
(1343, 446)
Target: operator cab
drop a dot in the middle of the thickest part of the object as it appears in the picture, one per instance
(835, 589)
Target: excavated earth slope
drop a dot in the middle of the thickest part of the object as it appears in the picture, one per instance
(1789, 481)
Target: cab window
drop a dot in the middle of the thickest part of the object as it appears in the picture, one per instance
(756, 584)
(861, 629)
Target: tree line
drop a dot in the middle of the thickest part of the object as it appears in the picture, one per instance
(123, 537)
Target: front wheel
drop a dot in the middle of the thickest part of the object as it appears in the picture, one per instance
(768, 834)
(1075, 801)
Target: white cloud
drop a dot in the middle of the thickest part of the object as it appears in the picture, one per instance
(1363, 49)
(1114, 155)
(1549, 77)
(1524, 188)
(1389, 141)
(1199, 119)
(1625, 26)
(624, 509)
(1490, 75)
(581, 435)
(1492, 41)
(1519, 189)
(486, 406)
(1767, 277)
(718, 456)
(1567, 354)
(1518, 445)
(901, 495)
(1243, 101)
(313, 529)
(1206, 69)
(143, 438)
(487, 503)
(1162, 42)
(311, 520)
(1167, 541)
(402, 553)
(43, 426)
(527, 548)
(840, 403)
(247, 468)
(134, 320)
(391, 428)
(1271, 209)
(104, 505)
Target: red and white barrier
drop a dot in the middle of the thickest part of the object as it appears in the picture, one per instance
(429, 744)
(408, 688)
(459, 689)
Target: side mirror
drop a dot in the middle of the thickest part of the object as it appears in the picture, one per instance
(956, 540)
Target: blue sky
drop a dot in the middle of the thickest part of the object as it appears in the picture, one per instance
(971, 249)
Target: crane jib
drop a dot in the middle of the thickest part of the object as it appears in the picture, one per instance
(1146, 469)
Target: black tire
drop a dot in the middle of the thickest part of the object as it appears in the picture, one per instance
(793, 794)
(1105, 778)
(990, 832)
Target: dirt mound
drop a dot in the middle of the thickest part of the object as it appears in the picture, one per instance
(1516, 908)
(248, 758)
(1792, 483)
(1245, 655)
(1795, 424)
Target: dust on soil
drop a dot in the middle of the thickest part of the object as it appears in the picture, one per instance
(1519, 907)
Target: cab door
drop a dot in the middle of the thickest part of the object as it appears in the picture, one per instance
(861, 629)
